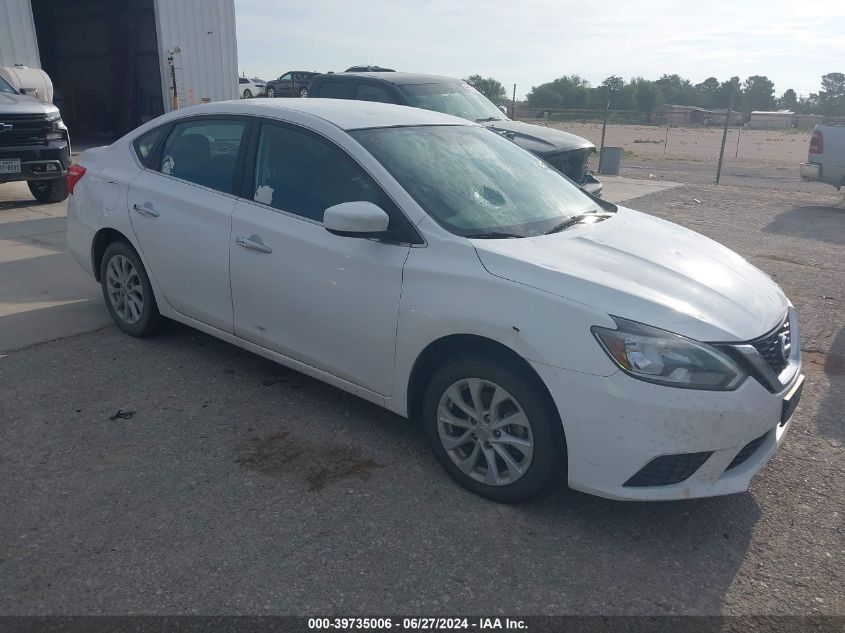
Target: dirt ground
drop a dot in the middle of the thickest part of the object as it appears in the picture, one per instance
(767, 159)
(179, 474)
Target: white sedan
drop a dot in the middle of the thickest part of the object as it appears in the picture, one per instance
(249, 88)
(427, 265)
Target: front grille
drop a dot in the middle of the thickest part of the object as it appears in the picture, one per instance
(747, 451)
(668, 469)
(26, 129)
(572, 163)
(775, 347)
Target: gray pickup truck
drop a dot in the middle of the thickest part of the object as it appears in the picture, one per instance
(34, 144)
(826, 160)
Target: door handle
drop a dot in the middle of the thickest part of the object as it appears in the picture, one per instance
(254, 243)
(146, 209)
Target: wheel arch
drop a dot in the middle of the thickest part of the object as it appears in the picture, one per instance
(462, 345)
(101, 241)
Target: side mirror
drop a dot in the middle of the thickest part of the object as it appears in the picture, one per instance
(356, 219)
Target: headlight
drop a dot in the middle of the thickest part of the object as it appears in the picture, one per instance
(58, 128)
(659, 356)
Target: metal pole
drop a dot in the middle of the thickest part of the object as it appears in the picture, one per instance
(738, 136)
(666, 142)
(725, 136)
(173, 82)
(604, 128)
(513, 103)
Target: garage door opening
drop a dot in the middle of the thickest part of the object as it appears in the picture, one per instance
(102, 56)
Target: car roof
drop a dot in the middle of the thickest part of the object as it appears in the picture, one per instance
(343, 113)
(401, 79)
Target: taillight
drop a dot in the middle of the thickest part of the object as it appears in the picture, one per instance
(74, 173)
(817, 143)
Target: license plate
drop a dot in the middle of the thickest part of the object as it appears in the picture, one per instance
(790, 402)
(10, 166)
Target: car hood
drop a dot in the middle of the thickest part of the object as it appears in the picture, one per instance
(539, 139)
(23, 104)
(644, 269)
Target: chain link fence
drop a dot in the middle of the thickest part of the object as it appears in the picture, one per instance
(764, 153)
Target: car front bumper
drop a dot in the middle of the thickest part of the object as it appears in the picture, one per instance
(38, 162)
(592, 186)
(617, 425)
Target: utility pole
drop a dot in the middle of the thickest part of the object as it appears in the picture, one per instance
(513, 103)
(725, 135)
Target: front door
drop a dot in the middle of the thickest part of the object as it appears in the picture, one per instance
(328, 301)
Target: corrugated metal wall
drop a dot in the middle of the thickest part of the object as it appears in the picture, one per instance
(18, 44)
(207, 67)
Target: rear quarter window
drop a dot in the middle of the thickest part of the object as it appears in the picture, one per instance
(146, 144)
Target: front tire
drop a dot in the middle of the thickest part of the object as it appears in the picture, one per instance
(493, 428)
(128, 292)
(54, 190)
(271, 92)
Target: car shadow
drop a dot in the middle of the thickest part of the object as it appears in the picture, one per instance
(813, 222)
(829, 367)
(649, 557)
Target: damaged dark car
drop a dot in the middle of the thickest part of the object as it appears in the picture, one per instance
(565, 152)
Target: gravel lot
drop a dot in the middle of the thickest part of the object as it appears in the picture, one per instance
(182, 475)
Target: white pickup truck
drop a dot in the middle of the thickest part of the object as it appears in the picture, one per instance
(826, 160)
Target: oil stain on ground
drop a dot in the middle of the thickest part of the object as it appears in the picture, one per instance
(319, 464)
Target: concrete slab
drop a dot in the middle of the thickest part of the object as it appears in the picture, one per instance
(44, 294)
(621, 189)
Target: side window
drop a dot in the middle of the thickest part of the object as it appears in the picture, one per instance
(336, 90)
(204, 152)
(303, 174)
(146, 143)
(241, 80)
(285, 77)
(374, 92)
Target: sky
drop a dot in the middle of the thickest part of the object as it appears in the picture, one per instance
(534, 41)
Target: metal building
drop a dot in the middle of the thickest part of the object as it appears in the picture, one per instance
(108, 59)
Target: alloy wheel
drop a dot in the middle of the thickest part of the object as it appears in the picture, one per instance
(124, 288)
(271, 92)
(485, 431)
(303, 92)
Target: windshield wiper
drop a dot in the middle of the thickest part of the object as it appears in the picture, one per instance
(577, 219)
(492, 235)
(488, 119)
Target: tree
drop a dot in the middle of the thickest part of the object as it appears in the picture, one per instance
(758, 93)
(569, 91)
(831, 98)
(726, 89)
(489, 87)
(707, 92)
(647, 94)
(788, 101)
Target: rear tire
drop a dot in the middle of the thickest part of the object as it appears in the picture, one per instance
(54, 190)
(128, 292)
(247, 94)
(303, 92)
(528, 452)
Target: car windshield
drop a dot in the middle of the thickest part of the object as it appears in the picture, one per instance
(456, 98)
(5, 87)
(477, 183)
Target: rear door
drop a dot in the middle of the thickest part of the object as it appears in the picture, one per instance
(181, 211)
